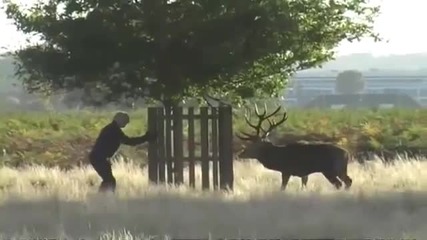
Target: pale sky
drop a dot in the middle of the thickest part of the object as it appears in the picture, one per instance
(401, 22)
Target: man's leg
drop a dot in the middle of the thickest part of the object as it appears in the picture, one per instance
(103, 168)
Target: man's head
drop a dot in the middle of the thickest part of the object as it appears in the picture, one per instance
(121, 118)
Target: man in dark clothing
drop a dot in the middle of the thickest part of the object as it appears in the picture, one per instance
(106, 145)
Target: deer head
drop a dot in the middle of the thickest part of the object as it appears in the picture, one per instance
(259, 140)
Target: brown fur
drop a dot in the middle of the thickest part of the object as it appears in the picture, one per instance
(301, 160)
(296, 159)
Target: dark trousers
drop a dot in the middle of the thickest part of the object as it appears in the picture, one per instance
(103, 168)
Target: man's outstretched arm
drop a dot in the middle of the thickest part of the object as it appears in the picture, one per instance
(133, 141)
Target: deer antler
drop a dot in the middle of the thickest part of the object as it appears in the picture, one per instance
(247, 136)
(273, 124)
(258, 127)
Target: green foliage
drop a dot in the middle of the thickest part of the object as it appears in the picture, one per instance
(350, 81)
(59, 139)
(243, 48)
(65, 139)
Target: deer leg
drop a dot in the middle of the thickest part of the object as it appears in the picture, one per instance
(333, 179)
(347, 181)
(285, 180)
(304, 181)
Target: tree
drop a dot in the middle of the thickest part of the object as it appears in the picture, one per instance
(349, 82)
(241, 48)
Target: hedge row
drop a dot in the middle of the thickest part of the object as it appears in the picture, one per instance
(63, 139)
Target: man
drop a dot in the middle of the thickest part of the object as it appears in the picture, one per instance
(106, 145)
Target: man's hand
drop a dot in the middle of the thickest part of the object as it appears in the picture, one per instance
(151, 136)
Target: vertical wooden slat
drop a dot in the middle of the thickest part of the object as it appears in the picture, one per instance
(178, 146)
(161, 144)
(191, 147)
(214, 142)
(226, 148)
(204, 144)
(168, 145)
(152, 147)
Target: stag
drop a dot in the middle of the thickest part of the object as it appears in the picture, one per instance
(295, 159)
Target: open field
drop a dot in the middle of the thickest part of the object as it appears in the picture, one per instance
(385, 201)
(63, 139)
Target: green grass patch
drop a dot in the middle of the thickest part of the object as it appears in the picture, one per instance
(64, 139)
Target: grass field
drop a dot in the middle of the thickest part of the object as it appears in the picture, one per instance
(386, 201)
(63, 139)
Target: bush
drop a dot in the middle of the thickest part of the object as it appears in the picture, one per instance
(64, 139)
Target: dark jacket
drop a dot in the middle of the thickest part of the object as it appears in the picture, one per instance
(109, 140)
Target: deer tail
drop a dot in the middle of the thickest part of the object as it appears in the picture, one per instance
(348, 158)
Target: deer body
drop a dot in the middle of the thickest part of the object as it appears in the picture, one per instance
(301, 160)
(297, 159)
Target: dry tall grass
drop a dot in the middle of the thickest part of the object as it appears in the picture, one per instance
(385, 201)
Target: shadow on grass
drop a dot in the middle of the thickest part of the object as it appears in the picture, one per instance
(303, 215)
